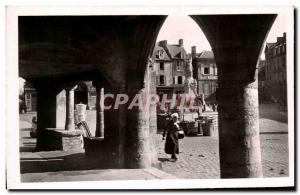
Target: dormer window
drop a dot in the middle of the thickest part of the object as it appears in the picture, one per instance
(160, 54)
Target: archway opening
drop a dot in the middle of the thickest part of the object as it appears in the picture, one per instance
(244, 64)
(183, 63)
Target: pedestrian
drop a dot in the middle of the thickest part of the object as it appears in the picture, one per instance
(171, 145)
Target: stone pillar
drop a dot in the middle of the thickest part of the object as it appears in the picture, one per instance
(137, 137)
(99, 111)
(115, 126)
(46, 114)
(153, 122)
(70, 122)
(239, 142)
(237, 46)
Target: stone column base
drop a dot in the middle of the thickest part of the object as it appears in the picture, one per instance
(59, 139)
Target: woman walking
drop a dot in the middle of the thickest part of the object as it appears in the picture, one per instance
(171, 145)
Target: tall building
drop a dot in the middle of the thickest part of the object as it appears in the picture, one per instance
(206, 73)
(263, 95)
(275, 71)
(169, 65)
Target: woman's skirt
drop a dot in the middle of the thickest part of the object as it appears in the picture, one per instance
(171, 146)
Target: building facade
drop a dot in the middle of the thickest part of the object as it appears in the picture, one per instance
(169, 65)
(206, 73)
(275, 71)
(263, 95)
(30, 97)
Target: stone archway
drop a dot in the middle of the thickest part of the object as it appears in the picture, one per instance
(237, 45)
(119, 48)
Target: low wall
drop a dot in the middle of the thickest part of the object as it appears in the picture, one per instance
(60, 139)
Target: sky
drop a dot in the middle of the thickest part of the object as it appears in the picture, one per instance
(184, 27)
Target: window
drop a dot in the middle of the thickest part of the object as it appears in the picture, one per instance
(206, 70)
(214, 87)
(179, 65)
(160, 54)
(161, 66)
(206, 88)
(179, 80)
(161, 80)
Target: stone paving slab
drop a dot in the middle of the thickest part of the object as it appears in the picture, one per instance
(97, 175)
(199, 157)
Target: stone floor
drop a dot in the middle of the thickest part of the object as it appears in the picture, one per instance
(198, 156)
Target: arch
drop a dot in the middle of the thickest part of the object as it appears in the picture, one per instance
(124, 44)
(236, 46)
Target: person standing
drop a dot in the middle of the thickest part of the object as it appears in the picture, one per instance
(171, 145)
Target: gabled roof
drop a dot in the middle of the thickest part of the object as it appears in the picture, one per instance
(279, 41)
(270, 45)
(206, 55)
(157, 48)
(171, 52)
(176, 51)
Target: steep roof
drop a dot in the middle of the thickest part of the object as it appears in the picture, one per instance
(176, 51)
(270, 45)
(206, 55)
(158, 48)
(171, 51)
(279, 41)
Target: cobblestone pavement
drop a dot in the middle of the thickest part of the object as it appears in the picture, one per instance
(199, 156)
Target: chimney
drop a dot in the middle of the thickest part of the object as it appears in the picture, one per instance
(193, 52)
(163, 43)
(180, 42)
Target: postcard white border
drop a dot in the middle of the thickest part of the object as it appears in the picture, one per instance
(12, 129)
